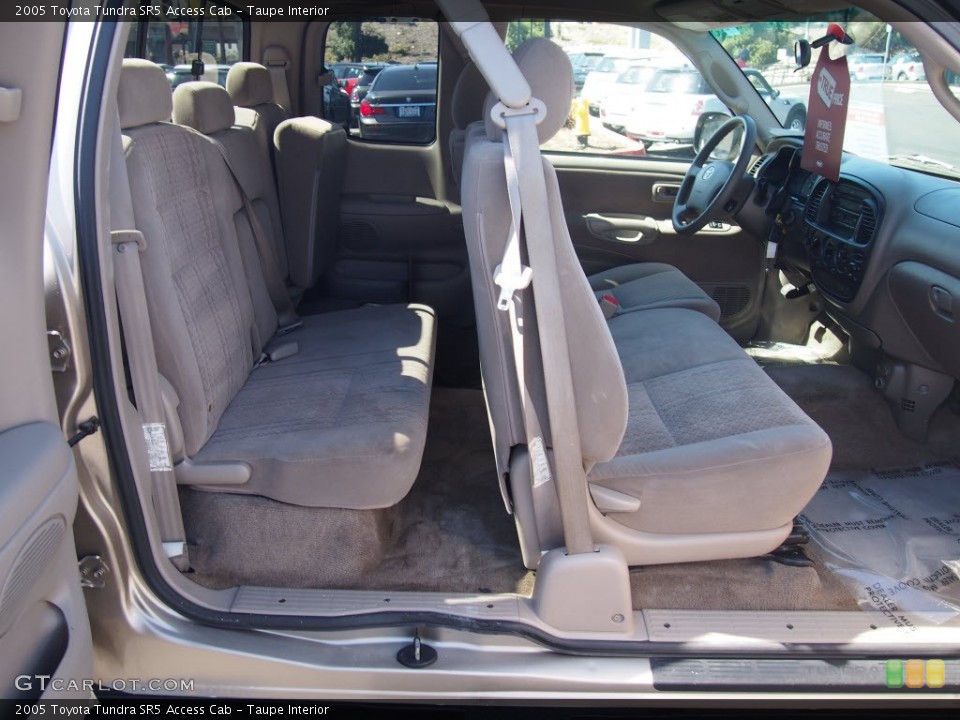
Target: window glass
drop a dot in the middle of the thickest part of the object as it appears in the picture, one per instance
(892, 115)
(386, 79)
(614, 111)
(174, 45)
(635, 92)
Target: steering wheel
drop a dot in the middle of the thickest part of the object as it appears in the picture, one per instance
(709, 184)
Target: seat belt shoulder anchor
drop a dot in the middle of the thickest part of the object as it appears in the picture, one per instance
(500, 112)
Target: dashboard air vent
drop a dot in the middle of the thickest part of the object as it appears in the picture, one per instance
(813, 205)
(755, 168)
(867, 225)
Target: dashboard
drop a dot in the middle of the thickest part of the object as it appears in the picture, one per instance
(881, 244)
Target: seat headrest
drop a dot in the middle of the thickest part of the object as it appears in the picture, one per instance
(204, 106)
(143, 96)
(468, 96)
(548, 70)
(249, 84)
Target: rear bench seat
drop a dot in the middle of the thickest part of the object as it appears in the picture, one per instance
(341, 423)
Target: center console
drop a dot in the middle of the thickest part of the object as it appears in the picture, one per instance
(840, 221)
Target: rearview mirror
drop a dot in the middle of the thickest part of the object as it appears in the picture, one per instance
(801, 53)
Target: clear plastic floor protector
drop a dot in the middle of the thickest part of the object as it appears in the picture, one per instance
(893, 537)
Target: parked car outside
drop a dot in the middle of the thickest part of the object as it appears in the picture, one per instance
(620, 103)
(790, 112)
(601, 79)
(907, 66)
(670, 106)
(362, 87)
(347, 74)
(401, 104)
(583, 63)
(675, 98)
(867, 66)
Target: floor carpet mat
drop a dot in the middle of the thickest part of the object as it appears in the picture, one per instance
(452, 532)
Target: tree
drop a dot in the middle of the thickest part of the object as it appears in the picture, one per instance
(352, 42)
(519, 31)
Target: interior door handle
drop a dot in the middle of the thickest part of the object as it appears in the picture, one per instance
(665, 192)
(623, 228)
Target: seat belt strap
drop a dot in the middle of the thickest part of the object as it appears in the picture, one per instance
(276, 286)
(527, 189)
(511, 275)
(132, 302)
(126, 247)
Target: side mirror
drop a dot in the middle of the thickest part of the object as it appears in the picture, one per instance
(707, 125)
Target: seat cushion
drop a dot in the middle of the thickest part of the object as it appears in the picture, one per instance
(712, 444)
(343, 422)
(642, 286)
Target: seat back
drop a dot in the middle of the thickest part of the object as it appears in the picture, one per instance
(207, 108)
(201, 312)
(311, 158)
(599, 389)
(466, 108)
(251, 89)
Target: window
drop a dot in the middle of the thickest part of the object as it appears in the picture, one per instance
(217, 41)
(892, 115)
(635, 92)
(386, 79)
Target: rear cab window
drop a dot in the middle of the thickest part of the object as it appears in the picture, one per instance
(216, 40)
(386, 79)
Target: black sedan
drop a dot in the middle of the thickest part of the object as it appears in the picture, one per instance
(401, 105)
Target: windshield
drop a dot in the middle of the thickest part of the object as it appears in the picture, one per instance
(893, 116)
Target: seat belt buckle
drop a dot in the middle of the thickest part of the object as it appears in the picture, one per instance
(609, 305)
(278, 352)
(509, 283)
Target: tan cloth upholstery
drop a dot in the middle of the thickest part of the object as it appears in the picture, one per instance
(637, 286)
(548, 70)
(653, 285)
(249, 84)
(342, 422)
(251, 89)
(144, 94)
(206, 107)
(711, 447)
(712, 444)
(466, 107)
(311, 158)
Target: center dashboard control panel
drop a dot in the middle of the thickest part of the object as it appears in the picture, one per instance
(840, 222)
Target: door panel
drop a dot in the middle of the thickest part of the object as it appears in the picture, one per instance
(618, 212)
(43, 623)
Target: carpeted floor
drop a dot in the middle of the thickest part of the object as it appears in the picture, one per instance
(843, 401)
(452, 533)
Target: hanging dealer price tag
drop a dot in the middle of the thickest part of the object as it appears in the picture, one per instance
(826, 116)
